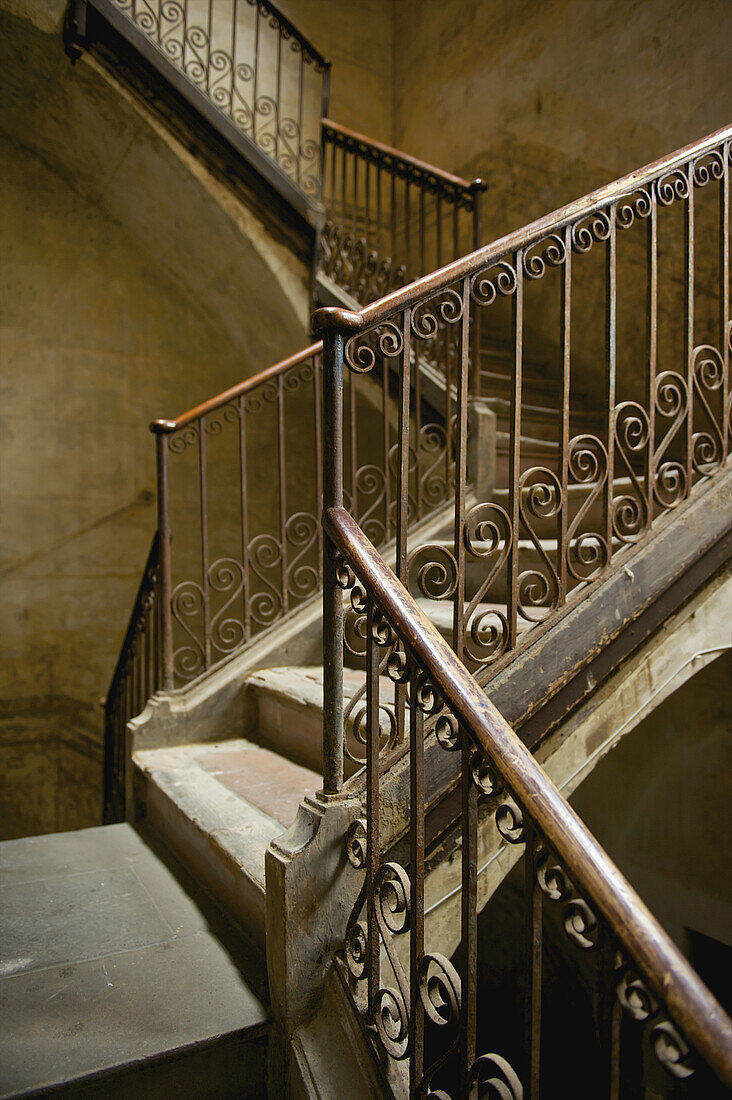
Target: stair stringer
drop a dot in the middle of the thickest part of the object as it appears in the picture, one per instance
(682, 647)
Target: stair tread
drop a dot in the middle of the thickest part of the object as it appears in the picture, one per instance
(102, 935)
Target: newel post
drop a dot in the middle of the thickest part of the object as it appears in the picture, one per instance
(334, 325)
(161, 444)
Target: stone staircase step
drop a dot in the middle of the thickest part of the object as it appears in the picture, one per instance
(218, 805)
(440, 612)
(119, 976)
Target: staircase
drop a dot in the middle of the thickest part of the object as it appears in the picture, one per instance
(334, 677)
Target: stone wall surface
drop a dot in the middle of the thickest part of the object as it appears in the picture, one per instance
(132, 287)
(548, 101)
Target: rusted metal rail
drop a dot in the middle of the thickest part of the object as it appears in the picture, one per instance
(644, 972)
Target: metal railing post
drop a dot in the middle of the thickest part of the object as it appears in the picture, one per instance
(161, 442)
(477, 187)
(333, 740)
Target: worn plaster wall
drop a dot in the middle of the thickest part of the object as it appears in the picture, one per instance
(659, 806)
(132, 287)
(547, 101)
(358, 38)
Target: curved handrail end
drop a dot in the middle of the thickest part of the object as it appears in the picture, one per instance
(162, 427)
(328, 318)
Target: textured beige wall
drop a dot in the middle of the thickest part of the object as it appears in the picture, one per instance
(549, 100)
(357, 36)
(131, 289)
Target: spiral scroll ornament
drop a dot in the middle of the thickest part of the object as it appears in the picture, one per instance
(445, 308)
(636, 205)
(707, 447)
(487, 285)
(433, 570)
(439, 989)
(540, 497)
(590, 230)
(667, 1042)
(587, 551)
(385, 339)
(301, 532)
(226, 576)
(672, 403)
(186, 604)
(673, 186)
(488, 536)
(265, 559)
(493, 1078)
(550, 252)
(631, 510)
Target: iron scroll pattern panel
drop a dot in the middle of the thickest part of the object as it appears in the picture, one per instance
(390, 219)
(665, 426)
(246, 486)
(419, 1007)
(252, 65)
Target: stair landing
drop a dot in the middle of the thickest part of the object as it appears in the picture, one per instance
(118, 977)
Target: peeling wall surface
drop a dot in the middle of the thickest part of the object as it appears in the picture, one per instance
(130, 290)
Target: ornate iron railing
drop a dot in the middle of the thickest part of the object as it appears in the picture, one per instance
(584, 285)
(240, 482)
(421, 1007)
(242, 63)
(391, 218)
(137, 675)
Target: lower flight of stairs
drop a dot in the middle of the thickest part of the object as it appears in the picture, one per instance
(120, 977)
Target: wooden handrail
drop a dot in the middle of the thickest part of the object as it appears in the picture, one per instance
(404, 158)
(163, 427)
(669, 975)
(350, 321)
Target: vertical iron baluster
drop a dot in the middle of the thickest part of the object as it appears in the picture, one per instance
(726, 333)
(514, 473)
(367, 218)
(455, 227)
(278, 96)
(379, 225)
(161, 444)
(463, 376)
(317, 409)
(355, 194)
(407, 228)
(344, 186)
(282, 490)
(438, 229)
(476, 188)
(300, 96)
(393, 218)
(208, 47)
(610, 370)
(386, 442)
(372, 804)
(244, 516)
(609, 1020)
(234, 34)
(468, 914)
(422, 259)
(203, 484)
(353, 452)
(332, 595)
(402, 489)
(418, 436)
(689, 324)
(566, 310)
(532, 988)
(255, 89)
(652, 341)
(416, 875)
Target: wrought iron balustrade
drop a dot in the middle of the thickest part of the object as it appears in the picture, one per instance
(137, 675)
(420, 1007)
(629, 284)
(247, 69)
(390, 217)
